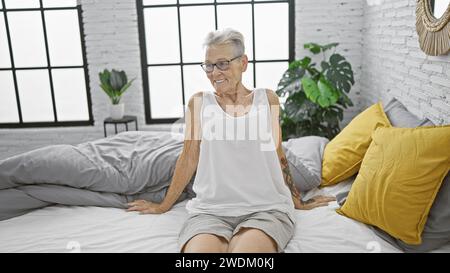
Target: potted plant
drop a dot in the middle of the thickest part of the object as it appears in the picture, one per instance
(115, 83)
(315, 96)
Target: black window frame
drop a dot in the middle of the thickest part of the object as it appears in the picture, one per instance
(142, 41)
(49, 68)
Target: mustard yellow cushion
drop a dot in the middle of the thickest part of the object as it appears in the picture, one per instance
(343, 154)
(399, 178)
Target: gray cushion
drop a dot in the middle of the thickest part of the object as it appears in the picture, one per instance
(399, 116)
(304, 155)
(437, 229)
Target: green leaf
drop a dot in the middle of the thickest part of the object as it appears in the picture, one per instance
(325, 65)
(297, 107)
(111, 94)
(104, 77)
(304, 63)
(311, 90)
(125, 87)
(290, 81)
(339, 72)
(321, 92)
(116, 100)
(123, 76)
(328, 95)
(329, 46)
(344, 100)
(313, 47)
(107, 90)
(116, 81)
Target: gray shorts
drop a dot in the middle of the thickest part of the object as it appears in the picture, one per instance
(276, 224)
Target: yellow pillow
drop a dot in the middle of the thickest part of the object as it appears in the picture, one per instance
(343, 154)
(399, 178)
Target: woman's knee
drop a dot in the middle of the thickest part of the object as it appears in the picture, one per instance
(205, 243)
(252, 240)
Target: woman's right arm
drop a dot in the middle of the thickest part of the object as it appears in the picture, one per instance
(186, 164)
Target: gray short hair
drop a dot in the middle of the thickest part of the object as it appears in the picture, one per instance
(226, 36)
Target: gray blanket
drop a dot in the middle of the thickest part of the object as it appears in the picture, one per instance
(107, 172)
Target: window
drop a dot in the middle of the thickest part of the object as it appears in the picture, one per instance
(43, 70)
(171, 37)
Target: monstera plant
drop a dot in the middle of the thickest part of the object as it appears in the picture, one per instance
(316, 95)
(115, 83)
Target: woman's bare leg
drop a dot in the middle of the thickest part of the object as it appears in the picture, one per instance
(205, 243)
(252, 240)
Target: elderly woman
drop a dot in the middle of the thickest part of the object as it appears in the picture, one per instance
(245, 197)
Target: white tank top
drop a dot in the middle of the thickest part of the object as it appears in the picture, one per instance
(239, 171)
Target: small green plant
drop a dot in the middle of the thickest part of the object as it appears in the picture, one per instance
(114, 83)
(315, 96)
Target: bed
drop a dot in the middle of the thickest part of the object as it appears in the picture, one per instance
(98, 229)
(73, 198)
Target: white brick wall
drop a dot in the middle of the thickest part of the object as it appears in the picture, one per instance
(329, 21)
(112, 41)
(394, 65)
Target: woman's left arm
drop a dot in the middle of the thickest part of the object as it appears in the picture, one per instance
(316, 201)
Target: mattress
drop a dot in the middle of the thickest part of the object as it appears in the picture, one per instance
(97, 229)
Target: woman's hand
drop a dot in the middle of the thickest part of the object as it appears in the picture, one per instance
(146, 207)
(314, 202)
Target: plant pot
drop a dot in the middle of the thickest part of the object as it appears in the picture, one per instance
(117, 110)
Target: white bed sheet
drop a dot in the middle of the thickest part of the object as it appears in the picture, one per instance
(96, 229)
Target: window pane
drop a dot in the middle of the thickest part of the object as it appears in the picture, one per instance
(27, 38)
(59, 3)
(8, 104)
(1, 5)
(21, 4)
(269, 74)
(63, 35)
(35, 96)
(195, 80)
(4, 49)
(195, 1)
(159, 2)
(247, 77)
(70, 94)
(271, 31)
(165, 92)
(161, 35)
(194, 31)
(238, 17)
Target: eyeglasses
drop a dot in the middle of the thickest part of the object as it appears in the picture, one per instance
(221, 65)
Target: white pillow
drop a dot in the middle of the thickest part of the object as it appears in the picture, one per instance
(304, 155)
